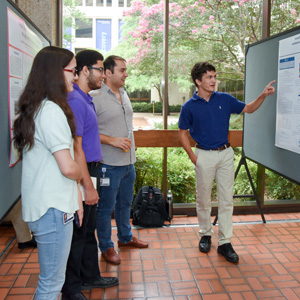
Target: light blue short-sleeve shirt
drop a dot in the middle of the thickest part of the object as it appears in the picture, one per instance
(43, 184)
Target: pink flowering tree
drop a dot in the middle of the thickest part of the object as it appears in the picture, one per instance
(213, 30)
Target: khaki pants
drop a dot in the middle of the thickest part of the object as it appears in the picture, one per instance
(215, 165)
(23, 233)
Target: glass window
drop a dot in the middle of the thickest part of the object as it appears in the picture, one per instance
(79, 3)
(100, 2)
(108, 2)
(128, 3)
(78, 50)
(89, 2)
(121, 3)
(84, 28)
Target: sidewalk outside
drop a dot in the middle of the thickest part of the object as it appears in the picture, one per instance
(146, 121)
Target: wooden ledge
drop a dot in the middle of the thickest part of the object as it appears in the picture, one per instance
(170, 138)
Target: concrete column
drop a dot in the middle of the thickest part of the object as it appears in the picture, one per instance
(43, 13)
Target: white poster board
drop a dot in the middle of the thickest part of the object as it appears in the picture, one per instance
(288, 95)
(23, 45)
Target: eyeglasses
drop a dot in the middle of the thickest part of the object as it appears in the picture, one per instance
(99, 69)
(74, 71)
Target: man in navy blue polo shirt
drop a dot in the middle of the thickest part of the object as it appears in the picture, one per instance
(206, 116)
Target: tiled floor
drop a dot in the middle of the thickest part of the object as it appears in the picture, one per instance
(173, 267)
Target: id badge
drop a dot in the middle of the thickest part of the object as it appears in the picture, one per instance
(105, 181)
(67, 218)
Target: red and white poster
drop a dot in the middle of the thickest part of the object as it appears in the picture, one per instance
(23, 45)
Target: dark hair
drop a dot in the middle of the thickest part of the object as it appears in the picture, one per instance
(87, 58)
(46, 80)
(199, 69)
(110, 62)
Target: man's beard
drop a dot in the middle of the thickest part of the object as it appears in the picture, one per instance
(93, 84)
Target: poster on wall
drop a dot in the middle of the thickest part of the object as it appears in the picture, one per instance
(23, 45)
(288, 95)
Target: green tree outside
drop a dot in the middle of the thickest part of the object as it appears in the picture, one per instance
(71, 12)
(217, 31)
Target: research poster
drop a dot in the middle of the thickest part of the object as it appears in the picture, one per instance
(288, 95)
(23, 45)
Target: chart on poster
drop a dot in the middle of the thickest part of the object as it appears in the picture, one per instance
(21, 39)
(23, 44)
(288, 95)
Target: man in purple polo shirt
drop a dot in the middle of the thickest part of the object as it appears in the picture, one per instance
(83, 268)
(206, 116)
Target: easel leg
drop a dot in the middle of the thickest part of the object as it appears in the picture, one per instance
(244, 162)
(254, 192)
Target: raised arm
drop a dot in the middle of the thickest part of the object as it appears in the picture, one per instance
(255, 104)
(184, 141)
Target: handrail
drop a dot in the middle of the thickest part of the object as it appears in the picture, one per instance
(170, 138)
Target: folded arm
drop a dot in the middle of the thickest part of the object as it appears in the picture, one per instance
(118, 142)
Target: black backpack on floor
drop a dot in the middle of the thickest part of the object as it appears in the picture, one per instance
(149, 209)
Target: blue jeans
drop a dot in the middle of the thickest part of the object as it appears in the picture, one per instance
(118, 195)
(53, 243)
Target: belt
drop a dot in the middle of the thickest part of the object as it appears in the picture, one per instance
(93, 164)
(215, 149)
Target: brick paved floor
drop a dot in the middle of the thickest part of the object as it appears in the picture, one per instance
(173, 268)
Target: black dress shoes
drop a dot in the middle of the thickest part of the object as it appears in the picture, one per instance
(102, 282)
(77, 296)
(204, 244)
(228, 252)
(28, 244)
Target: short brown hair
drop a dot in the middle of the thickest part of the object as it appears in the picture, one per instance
(199, 69)
(110, 62)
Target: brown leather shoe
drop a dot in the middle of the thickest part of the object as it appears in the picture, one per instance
(111, 256)
(134, 243)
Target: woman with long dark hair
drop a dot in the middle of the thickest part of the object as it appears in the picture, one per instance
(43, 135)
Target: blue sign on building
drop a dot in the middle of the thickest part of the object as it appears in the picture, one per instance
(103, 34)
(121, 23)
(68, 45)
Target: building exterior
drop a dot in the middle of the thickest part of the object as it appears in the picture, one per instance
(103, 29)
(103, 32)
(176, 97)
